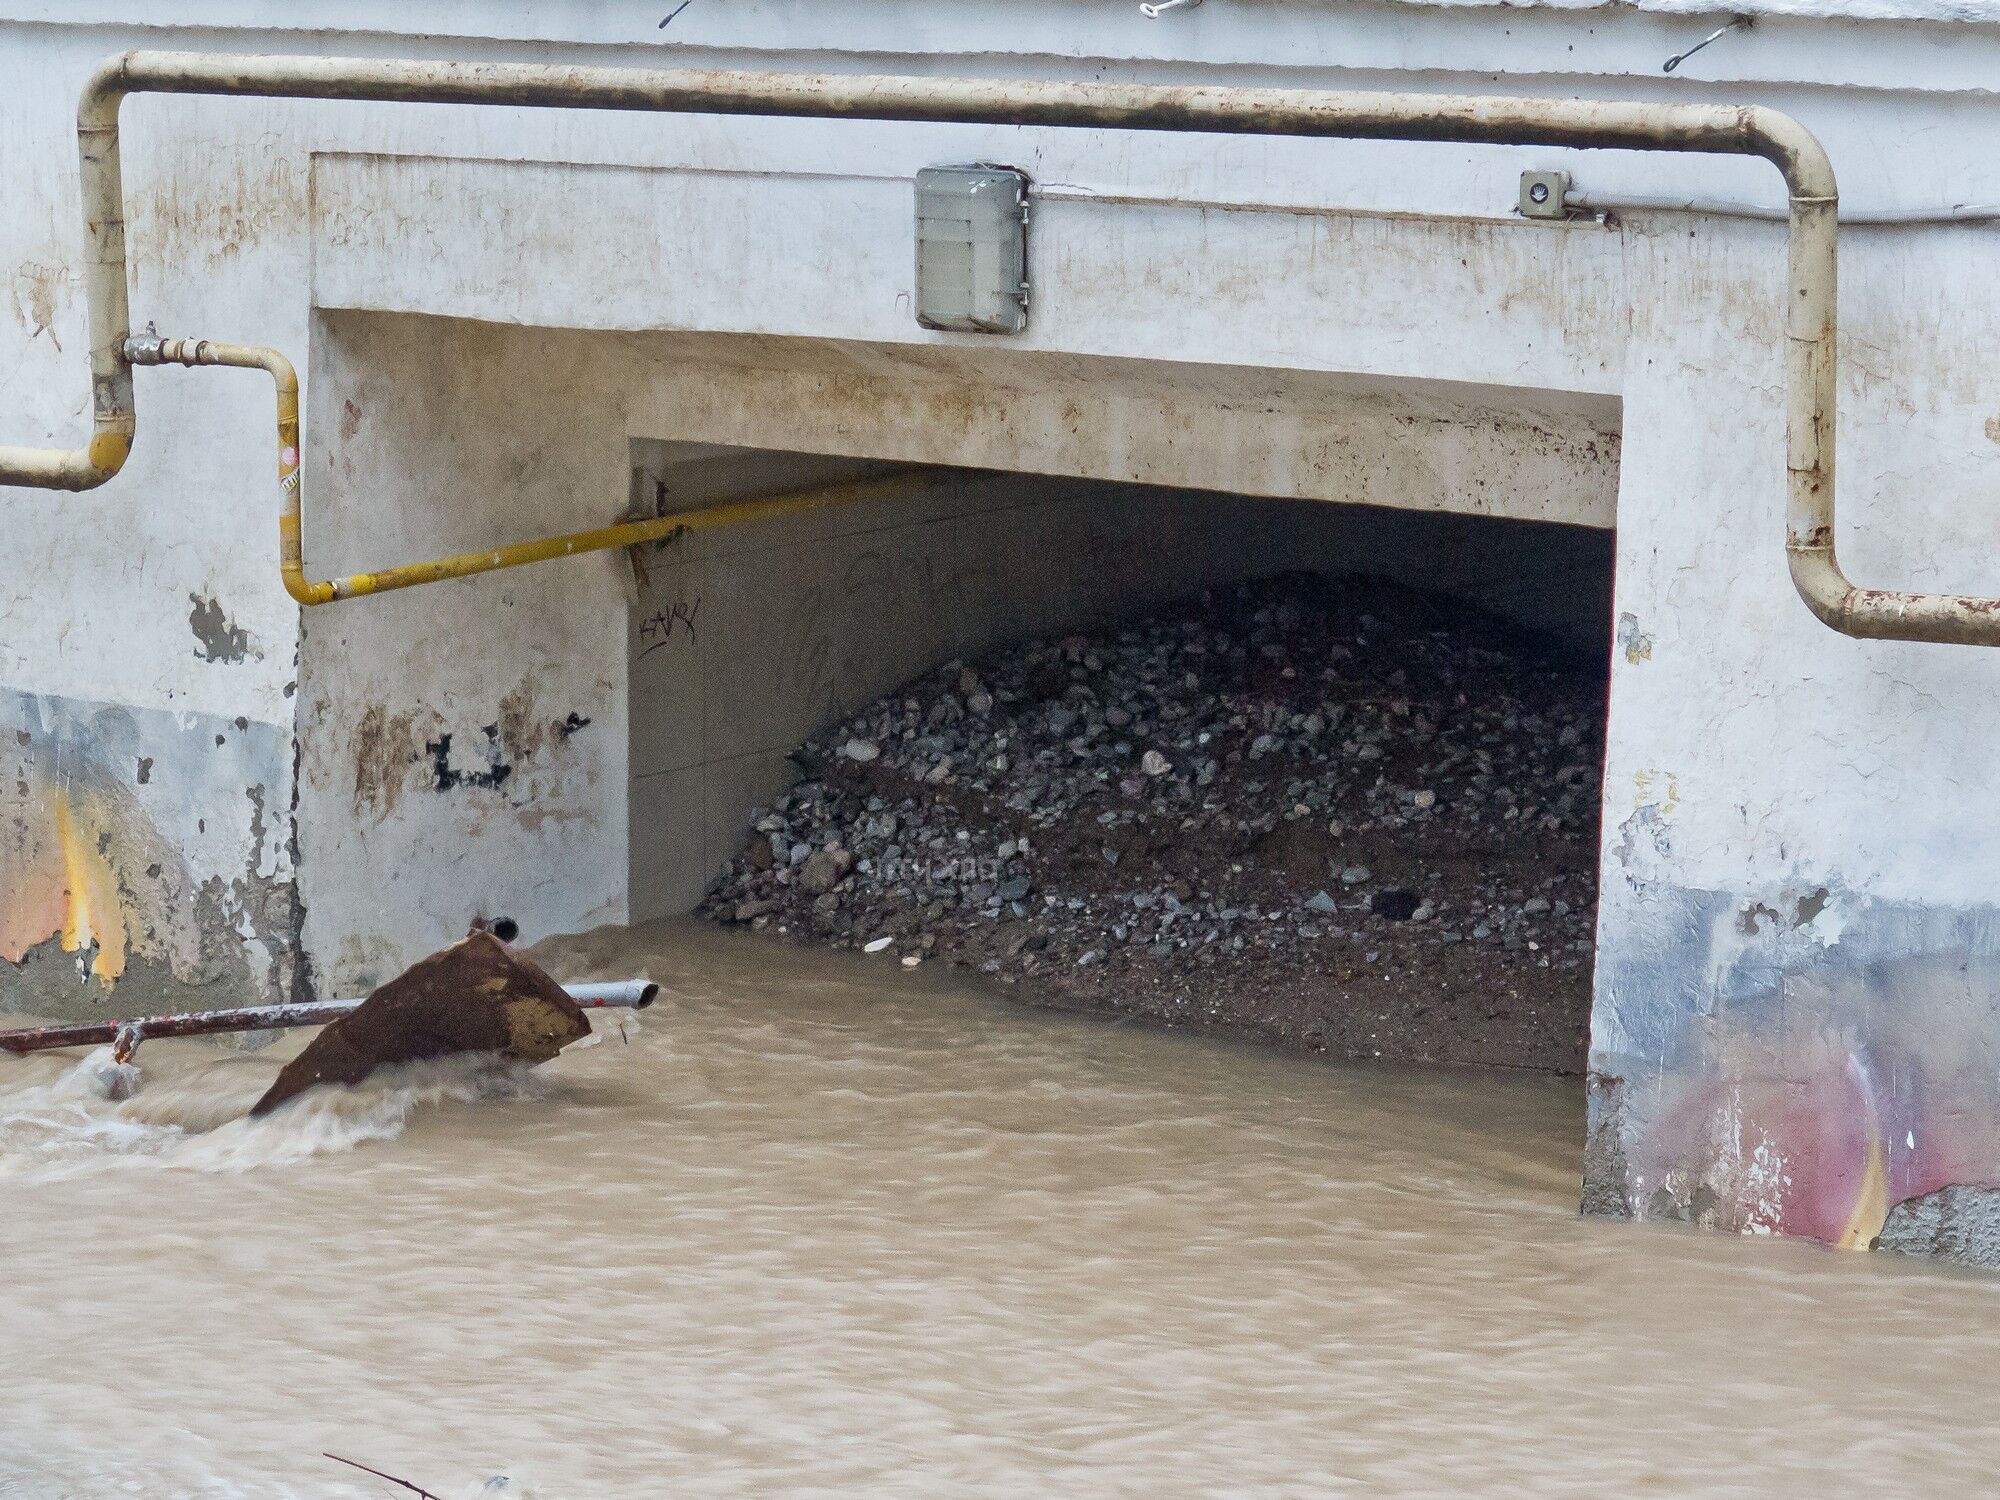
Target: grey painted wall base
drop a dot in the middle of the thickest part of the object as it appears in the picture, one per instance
(145, 860)
(1803, 1060)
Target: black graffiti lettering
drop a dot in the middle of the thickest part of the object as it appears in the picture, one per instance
(660, 628)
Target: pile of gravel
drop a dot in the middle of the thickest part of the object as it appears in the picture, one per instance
(1243, 814)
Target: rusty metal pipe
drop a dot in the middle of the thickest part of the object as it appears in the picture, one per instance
(1718, 129)
(623, 994)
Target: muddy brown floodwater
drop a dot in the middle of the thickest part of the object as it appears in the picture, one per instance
(821, 1226)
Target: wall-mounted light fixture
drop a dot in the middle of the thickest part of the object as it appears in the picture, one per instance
(972, 249)
(1544, 195)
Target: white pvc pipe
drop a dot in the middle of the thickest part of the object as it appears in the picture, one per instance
(617, 994)
(623, 994)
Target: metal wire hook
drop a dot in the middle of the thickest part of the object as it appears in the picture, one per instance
(1739, 23)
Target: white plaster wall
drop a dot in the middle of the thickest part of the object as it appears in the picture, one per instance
(462, 746)
(1589, 37)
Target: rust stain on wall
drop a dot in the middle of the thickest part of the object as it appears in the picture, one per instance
(92, 916)
(205, 201)
(57, 878)
(386, 747)
(34, 900)
(35, 289)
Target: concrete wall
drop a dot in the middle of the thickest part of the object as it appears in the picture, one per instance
(461, 746)
(1795, 863)
(567, 744)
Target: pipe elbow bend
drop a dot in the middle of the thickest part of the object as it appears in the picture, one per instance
(109, 82)
(305, 591)
(284, 374)
(1793, 150)
(1824, 588)
(70, 469)
(1890, 614)
(106, 455)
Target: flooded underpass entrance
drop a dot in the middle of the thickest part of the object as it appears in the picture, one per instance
(1321, 776)
(816, 1226)
(1050, 576)
(838, 1215)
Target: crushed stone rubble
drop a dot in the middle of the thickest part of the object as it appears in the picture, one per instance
(1245, 814)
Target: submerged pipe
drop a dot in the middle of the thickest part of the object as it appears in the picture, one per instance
(623, 994)
(1472, 120)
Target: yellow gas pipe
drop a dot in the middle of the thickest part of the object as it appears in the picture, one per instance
(152, 350)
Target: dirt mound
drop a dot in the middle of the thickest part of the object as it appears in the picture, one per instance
(1331, 813)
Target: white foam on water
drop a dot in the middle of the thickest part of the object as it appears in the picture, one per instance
(100, 1115)
(505, 1487)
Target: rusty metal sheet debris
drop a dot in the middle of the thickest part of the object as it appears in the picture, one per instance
(475, 996)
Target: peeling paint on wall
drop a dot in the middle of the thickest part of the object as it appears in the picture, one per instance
(1634, 642)
(126, 878)
(413, 750)
(217, 637)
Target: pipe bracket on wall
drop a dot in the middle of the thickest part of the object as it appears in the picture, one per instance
(1714, 129)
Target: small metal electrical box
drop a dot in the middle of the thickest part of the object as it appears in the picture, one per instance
(1542, 195)
(972, 249)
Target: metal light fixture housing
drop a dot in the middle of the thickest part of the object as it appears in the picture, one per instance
(972, 249)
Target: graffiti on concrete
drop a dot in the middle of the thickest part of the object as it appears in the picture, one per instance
(1820, 1060)
(661, 627)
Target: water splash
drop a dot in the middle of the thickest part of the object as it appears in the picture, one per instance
(76, 1118)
